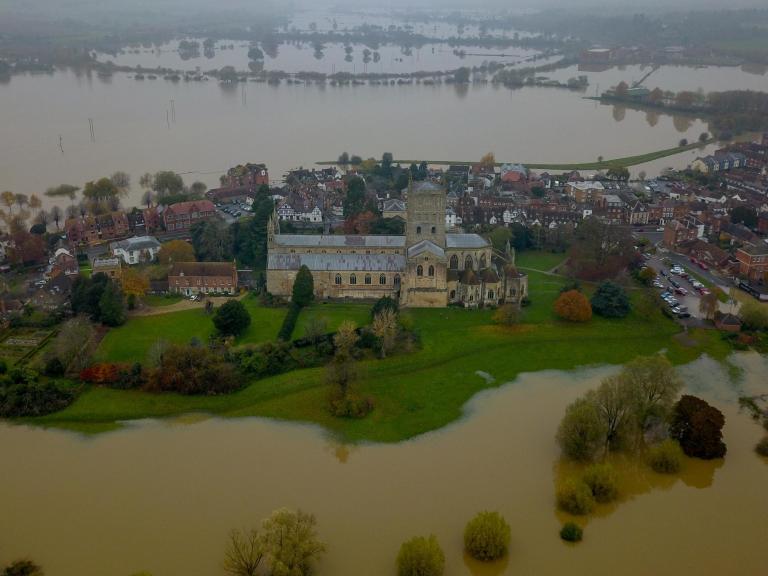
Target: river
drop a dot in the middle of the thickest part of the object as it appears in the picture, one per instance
(288, 126)
(162, 495)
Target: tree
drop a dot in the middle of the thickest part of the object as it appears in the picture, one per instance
(703, 137)
(575, 497)
(197, 189)
(421, 556)
(212, 241)
(343, 159)
(622, 89)
(56, 216)
(654, 384)
(134, 283)
(573, 306)
(698, 427)
(63, 190)
(176, 251)
(582, 432)
(600, 250)
(111, 306)
(610, 300)
(191, 370)
(384, 327)
(122, 180)
(708, 305)
(646, 276)
(618, 173)
(303, 287)
(754, 315)
(26, 248)
(486, 536)
(665, 457)
(499, 237)
(613, 400)
(232, 318)
(507, 315)
(290, 543)
(602, 481)
(244, 553)
(384, 303)
(101, 189)
(744, 214)
(23, 568)
(354, 202)
(167, 183)
(488, 161)
(683, 142)
(9, 199)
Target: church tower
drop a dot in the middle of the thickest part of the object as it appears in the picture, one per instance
(426, 214)
(273, 229)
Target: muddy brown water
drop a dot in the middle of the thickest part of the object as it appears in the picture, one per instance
(162, 495)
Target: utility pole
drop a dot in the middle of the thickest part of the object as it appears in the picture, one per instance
(61, 145)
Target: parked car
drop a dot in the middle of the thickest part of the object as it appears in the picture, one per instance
(683, 315)
(663, 272)
(705, 292)
(703, 266)
(674, 283)
(681, 290)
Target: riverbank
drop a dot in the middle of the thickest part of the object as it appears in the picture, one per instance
(418, 392)
(626, 161)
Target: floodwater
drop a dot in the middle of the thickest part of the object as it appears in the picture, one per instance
(332, 58)
(162, 496)
(288, 126)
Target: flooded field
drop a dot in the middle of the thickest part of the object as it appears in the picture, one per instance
(162, 496)
(288, 126)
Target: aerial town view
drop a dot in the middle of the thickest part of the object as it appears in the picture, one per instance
(430, 288)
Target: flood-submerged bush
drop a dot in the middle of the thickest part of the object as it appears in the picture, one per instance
(486, 536)
(575, 497)
(666, 457)
(421, 556)
(762, 447)
(571, 532)
(602, 482)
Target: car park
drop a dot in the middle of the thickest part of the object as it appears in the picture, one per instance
(674, 283)
(682, 291)
(663, 272)
(684, 315)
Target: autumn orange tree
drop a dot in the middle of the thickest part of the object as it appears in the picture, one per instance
(488, 161)
(176, 251)
(574, 306)
(134, 283)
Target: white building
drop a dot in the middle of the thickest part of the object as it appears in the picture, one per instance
(136, 250)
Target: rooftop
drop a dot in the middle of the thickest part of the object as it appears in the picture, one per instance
(202, 269)
(465, 241)
(341, 240)
(338, 262)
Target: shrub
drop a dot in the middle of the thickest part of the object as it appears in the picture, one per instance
(265, 359)
(231, 319)
(575, 498)
(602, 482)
(189, 370)
(666, 457)
(486, 536)
(507, 315)
(3, 366)
(581, 433)
(346, 404)
(698, 427)
(762, 447)
(384, 303)
(23, 568)
(573, 306)
(33, 399)
(571, 532)
(610, 300)
(54, 367)
(421, 556)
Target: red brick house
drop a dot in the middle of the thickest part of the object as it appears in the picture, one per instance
(184, 215)
(676, 232)
(753, 262)
(191, 278)
(64, 263)
(250, 176)
(92, 229)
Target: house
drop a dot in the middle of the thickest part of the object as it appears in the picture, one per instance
(228, 195)
(393, 208)
(189, 278)
(91, 229)
(676, 232)
(184, 215)
(753, 262)
(111, 266)
(727, 322)
(136, 250)
(249, 176)
(586, 192)
(64, 263)
(719, 162)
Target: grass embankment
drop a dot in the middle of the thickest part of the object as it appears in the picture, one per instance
(425, 390)
(625, 161)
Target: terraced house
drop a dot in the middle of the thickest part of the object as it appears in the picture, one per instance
(184, 215)
(426, 267)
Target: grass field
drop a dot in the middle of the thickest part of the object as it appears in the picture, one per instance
(334, 315)
(132, 341)
(422, 391)
(536, 260)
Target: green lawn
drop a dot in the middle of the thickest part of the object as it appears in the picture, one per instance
(427, 389)
(537, 260)
(132, 341)
(334, 315)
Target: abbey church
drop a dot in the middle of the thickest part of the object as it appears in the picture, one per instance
(424, 268)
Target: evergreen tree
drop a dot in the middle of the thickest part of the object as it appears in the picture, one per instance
(303, 287)
(111, 305)
(232, 318)
(610, 300)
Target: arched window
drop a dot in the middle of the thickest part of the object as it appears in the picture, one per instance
(397, 281)
(431, 271)
(419, 270)
(382, 279)
(434, 229)
(468, 263)
(453, 294)
(471, 298)
(418, 229)
(454, 262)
(367, 278)
(338, 279)
(483, 262)
(512, 292)
(353, 279)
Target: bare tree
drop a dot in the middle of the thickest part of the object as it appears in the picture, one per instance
(385, 328)
(244, 553)
(73, 344)
(56, 215)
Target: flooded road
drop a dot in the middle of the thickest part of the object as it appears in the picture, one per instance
(162, 496)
